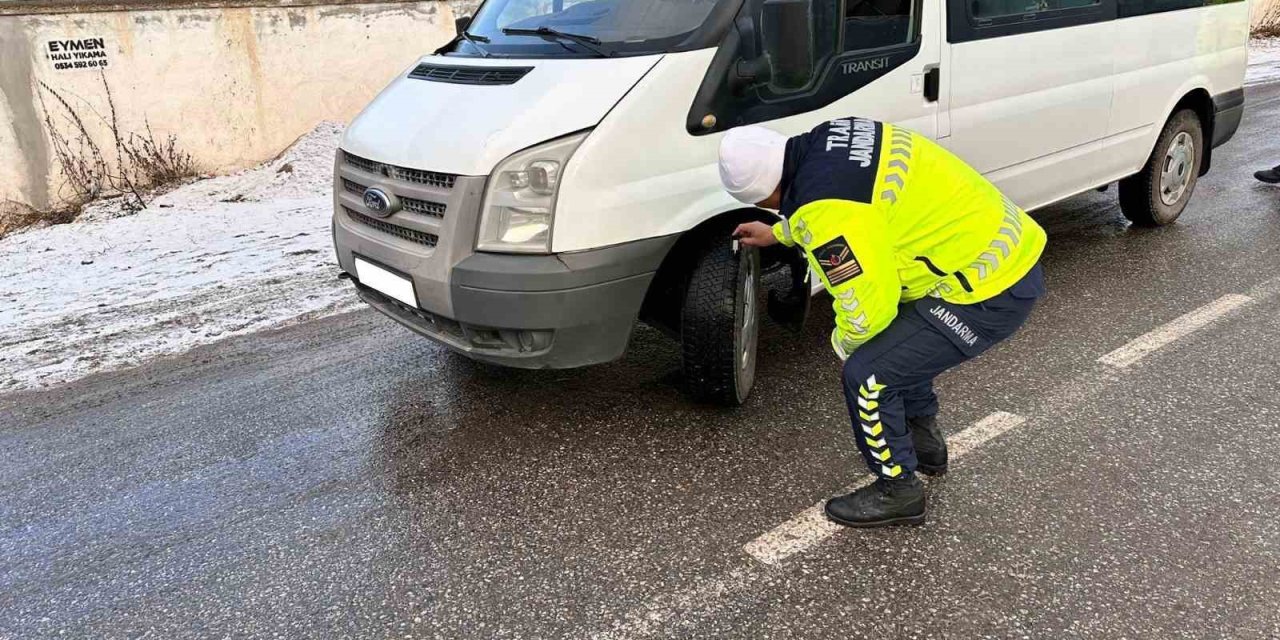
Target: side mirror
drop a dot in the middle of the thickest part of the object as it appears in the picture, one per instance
(786, 28)
(461, 24)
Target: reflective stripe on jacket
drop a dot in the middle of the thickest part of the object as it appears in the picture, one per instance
(887, 216)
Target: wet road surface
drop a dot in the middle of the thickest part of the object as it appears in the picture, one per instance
(346, 478)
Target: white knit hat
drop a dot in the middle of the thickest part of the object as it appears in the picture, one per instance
(751, 162)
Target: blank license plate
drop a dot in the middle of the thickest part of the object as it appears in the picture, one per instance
(385, 282)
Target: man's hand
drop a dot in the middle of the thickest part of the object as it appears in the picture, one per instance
(755, 234)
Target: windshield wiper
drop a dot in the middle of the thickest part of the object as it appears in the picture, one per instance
(584, 41)
(475, 42)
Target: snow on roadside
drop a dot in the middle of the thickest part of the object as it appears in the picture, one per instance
(214, 258)
(1264, 61)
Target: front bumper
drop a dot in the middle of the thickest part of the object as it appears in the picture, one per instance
(538, 312)
(555, 328)
(549, 311)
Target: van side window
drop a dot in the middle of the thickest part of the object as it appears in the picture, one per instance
(806, 31)
(824, 29)
(998, 8)
(871, 24)
(969, 20)
(1130, 8)
(795, 56)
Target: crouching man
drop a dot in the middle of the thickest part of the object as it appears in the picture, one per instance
(929, 265)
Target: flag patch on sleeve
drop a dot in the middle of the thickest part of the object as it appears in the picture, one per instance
(837, 261)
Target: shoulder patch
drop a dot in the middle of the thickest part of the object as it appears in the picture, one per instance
(837, 261)
(841, 162)
(853, 147)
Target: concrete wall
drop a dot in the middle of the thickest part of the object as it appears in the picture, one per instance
(1264, 13)
(235, 84)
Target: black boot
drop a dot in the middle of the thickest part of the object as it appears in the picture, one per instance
(1269, 176)
(883, 503)
(930, 446)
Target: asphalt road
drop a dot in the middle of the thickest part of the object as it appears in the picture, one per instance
(345, 478)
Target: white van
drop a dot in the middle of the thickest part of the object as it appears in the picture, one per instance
(535, 187)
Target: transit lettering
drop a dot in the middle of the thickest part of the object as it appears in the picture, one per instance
(859, 66)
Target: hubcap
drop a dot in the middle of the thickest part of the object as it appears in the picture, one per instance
(748, 315)
(1179, 162)
(747, 325)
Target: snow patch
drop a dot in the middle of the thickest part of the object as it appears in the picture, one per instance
(1264, 61)
(303, 170)
(214, 258)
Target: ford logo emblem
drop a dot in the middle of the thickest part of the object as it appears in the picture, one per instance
(379, 202)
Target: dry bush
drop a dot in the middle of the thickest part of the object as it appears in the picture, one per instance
(79, 157)
(143, 163)
(158, 162)
(15, 215)
(1268, 24)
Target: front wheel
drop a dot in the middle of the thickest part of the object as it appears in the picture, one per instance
(1158, 193)
(720, 323)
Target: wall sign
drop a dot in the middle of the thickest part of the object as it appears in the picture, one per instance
(77, 53)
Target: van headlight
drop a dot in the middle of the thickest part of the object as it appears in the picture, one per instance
(520, 199)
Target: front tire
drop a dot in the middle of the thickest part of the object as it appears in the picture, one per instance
(1157, 194)
(720, 323)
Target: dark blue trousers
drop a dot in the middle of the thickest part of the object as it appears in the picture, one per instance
(890, 378)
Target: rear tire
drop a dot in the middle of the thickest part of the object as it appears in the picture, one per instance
(720, 323)
(1157, 194)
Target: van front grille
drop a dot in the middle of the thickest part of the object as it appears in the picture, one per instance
(363, 164)
(425, 207)
(416, 176)
(412, 235)
(353, 187)
(469, 75)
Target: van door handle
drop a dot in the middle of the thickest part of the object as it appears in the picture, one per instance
(932, 79)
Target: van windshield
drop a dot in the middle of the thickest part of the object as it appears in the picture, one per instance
(621, 27)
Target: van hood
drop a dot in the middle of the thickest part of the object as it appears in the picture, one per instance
(466, 129)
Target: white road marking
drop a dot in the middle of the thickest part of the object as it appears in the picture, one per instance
(1179, 327)
(981, 432)
(810, 527)
(805, 531)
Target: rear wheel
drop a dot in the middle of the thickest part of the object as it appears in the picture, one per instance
(1158, 193)
(720, 322)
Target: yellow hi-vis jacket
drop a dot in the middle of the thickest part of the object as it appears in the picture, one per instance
(887, 216)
